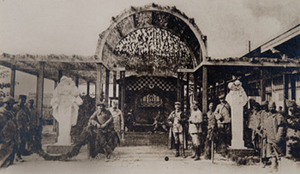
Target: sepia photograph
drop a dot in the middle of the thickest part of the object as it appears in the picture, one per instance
(149, 86)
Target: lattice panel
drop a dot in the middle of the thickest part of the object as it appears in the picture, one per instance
(150, 82)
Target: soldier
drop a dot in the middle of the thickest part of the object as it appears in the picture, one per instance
(211, 130)
(22, 116)
(118, 119)
(253, 124)
(223, 117)
(195, 129)
(159, 122)
(8, 133)
(35, 127)
(177, 119)
(274, 128)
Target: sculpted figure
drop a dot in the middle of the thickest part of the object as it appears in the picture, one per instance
(65, 104)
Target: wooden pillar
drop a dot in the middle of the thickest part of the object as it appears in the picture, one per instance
(178, 86)
(293, 86)
(77, 81)
(12, 81)
(60, 74)
(195, 86)
(88, 88)
(120, 90)
(182, 92)
(40, 89)
(98, 87)
(114, 84)
(262, 86)
(204, 88)
(107, 87)
(123, 88)
(187, 93)
(285, 91)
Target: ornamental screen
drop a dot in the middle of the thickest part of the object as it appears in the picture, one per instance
(153, 50)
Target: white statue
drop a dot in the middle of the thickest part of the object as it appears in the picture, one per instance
(237, 99)
(65, 104)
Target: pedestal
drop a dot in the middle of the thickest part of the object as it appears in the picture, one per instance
(59, 149)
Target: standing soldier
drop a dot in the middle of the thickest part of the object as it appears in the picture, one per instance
(177, 119)
(222, 114)
(274, 128)
(35, 127)
(23, 125)
(118, 119)
(195, 129)
(211, 127)
(8, 133)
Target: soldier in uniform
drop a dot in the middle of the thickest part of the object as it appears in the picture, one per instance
(8, 133)
(211, 130)
(274, 128)
(23, 118)
(253, 125)
(35, 127)
(118, 119)
(177, 119)
(223, 117)
(100, 133)
(195, 129)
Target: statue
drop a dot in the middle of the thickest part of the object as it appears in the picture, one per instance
(65, 104)
(237, 99)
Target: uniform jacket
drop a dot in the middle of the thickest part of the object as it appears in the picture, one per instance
(23, 117)
(177, 119)
(103, 117)
(223, 111)
(274, 127)
(195, 121)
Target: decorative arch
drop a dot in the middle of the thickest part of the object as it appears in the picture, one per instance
(151, 16)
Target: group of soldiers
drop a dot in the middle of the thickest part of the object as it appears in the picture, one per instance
(268, 128)
(218, 121)
(20, 130)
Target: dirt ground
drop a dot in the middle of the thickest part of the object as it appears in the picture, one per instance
(137, 160)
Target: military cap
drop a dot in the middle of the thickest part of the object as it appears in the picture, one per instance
(101, 103)
(222, 96)
(264, 103)
(195, 103)
(8, 99)
(22, 96)
(177, 103)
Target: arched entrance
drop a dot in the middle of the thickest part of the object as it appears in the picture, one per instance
(151, 43)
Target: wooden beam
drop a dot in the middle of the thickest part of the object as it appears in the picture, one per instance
(77, 81)
(293, 86)
(204, 88)
(40, 89)
(123, 91)
(285, 91)
(195, 86)
(12, 81)
(88, 88)
(262, 86)
(187, 93)
(107, 87)
(178, 86)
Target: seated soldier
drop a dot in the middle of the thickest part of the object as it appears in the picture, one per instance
(159, 123)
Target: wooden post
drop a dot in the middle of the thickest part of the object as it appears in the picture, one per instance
(182, 93)
(98, 87)
(120, 90)
(77, 81)
(40, 90)
(285, 91)
(204, 87)
(293, 86)
(123, 91)
(178, 86)
(60, 74)
(107, 87)
(12, 81)
(187, 93)
(195, 86)
(114, 84)
(262, 86)
(88, 88)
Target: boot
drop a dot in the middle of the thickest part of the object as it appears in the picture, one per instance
(197, 153)
(274, 164)
(183, 151)
(194, 152)
(177, 150)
